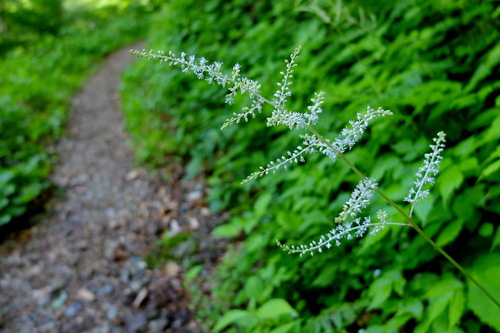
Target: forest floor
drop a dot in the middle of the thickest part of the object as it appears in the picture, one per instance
(82, 266)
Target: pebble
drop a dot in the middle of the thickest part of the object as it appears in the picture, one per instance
(135, 321)
(111, 311)
(157, 326)
(73, 309)
(106, 290)
(85, 295)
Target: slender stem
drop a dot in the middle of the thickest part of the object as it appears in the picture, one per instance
(362, 176)
(407, 218)
(437, 247)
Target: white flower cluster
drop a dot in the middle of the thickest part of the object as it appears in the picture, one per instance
(284, 86)
(349, 136)
(344, 142)
(212, 74)
(427, 172)
(315, 109)
(347, 230)
(295, 157)
(281, 116)
(349, 224)
(360, 198)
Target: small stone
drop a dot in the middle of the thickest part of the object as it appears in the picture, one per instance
(109, 248)
(135, 286)
(111, 311)
(157, 326)
(135, 321)
(171, 269)
(132, 175)
(40, 295)
(111, 212)
(73, 309)
(174, 228)
(193, 196)
(193, 222)
(85, 295)
(143, 293)
(205, 211)
(137, 265)
(106, 290)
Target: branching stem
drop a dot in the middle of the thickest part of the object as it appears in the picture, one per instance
(408, 218)
(216, 76)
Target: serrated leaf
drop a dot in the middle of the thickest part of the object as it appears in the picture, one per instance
(274, 308)
(486, 270)
(231, 317)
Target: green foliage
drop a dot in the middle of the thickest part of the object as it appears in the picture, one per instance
(432, 63)
(36, 86)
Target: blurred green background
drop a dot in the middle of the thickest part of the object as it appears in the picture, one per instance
(435, 64)
(48, 48)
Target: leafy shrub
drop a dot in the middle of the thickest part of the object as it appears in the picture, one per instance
(432, 64)
(36, 86)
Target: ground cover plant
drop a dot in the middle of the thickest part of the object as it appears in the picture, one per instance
(418, 59)
(43, 63)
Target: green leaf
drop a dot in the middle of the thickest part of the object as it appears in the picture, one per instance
(227, 230)
(261, 204)
(286, 327)
(490, 169)
(450, 232)
(193, 272)
(485, 68)
(424, 207)
(231, 317)
(449, 181)
(456, 309)
(6, 177)
(444, 286)
(275, 307)
(486, 270)
(29, 192)
(486, 229)
(414, 307)
(381, 289)
(496, 240)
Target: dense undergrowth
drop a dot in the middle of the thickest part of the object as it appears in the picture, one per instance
(434, 64)
(47, 51)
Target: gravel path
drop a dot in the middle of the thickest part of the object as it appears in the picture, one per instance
(81, 268)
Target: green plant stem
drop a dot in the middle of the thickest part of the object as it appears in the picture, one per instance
(407, 218)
